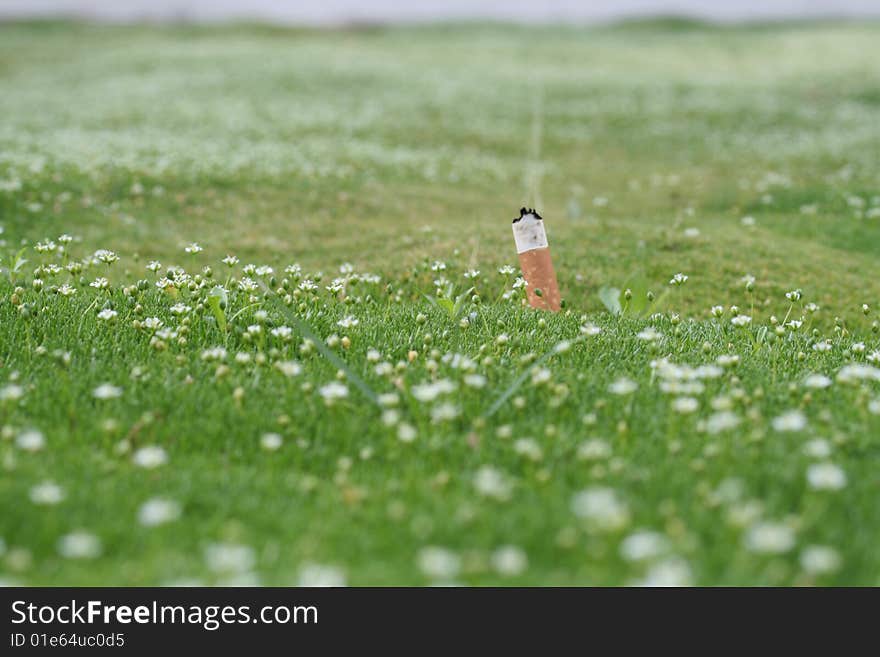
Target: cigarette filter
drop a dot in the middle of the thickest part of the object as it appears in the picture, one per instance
(534, 259)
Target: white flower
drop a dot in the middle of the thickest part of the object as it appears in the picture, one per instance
(333, 391)
(107, 315)
(685, 405)
(822, 346)
(826, 476)
(722, 421)
(438, 562)
(154, 266)
(643, 545)
(649, 334)
(794, 295)
(855, 372)
(79, 545)
(678, 279)
(427, 392)
(817, 448)
(158, 511)
(717, 311)
(230, 260)
(490, 482)
(769, 538)
(11, 392)
(30, 440)
(790, 421)
(406, 433)
(288, 367)
(601, 507)
(475, 380)
(47, 493)
(820, 559)
(151, 456)
(594, 449)
(348, 322)
(670, 572)
(590, 329)
(509, 561)
(817, 381)
(285, 333)
(271, 441)
(229, 557)
(107, 391)
(858, 348)
(315, 575)
(741, 320)
(193, 248)
(623, 386)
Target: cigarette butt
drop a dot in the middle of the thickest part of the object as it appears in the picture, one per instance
(534, 259)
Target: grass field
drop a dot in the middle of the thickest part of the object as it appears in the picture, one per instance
(360, 396)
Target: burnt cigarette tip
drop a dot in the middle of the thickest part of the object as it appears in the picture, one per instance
(525, 212)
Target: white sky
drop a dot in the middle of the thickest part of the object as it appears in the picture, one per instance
(339, 11)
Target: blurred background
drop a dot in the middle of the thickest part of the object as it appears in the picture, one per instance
(348, 11)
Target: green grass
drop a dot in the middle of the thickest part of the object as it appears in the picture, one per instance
(644, 145)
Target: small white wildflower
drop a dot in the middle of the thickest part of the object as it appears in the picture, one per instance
(30, 440)
(438, 562)
(490, 482)
(315, 575)
(678, 279)
(685, 405)
(769, 538)
(107, 391)
(288, 367)
(151, 456)
(649, 334)
(11, 392)
(590, 329)
(47, 493)
(826, 476)
(601, 507)
(158, 511)
(593, 450)
(822, 346)
(333, 391)
(722, 421)
(271, 441)
(406, 433)
(475, 380)
(509, 561)
(623, 386)
(820, 559)
(643, 545)
(229, 558)
(348, 322)
(79, 545)
(790, 421)
(193, 248)
(817, 381)
(741, 320)
(817, 448)
(107, 315)
(668, 573)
